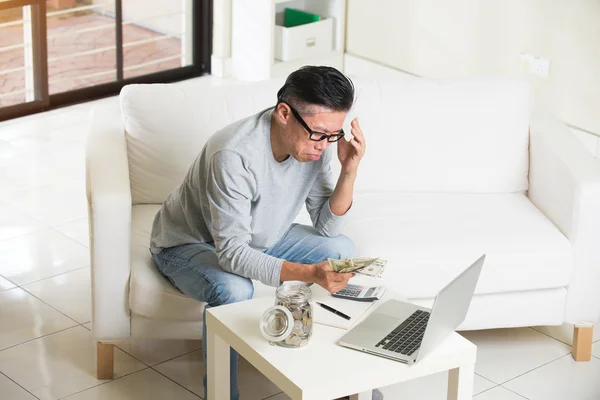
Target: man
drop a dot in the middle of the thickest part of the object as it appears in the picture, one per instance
(231, 220)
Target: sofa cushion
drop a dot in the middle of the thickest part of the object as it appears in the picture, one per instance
(166, 126)
(468, 136)
(428, 239)
(150, 293)
(450, 135)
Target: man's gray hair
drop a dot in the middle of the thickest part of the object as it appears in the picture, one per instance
(317, 85)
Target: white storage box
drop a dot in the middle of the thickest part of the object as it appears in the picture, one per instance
(302, 41)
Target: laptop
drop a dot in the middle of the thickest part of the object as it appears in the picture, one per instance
(405, 332)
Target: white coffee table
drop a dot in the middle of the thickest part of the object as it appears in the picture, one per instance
(323, 369)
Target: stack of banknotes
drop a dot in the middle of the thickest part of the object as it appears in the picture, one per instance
(361, 265)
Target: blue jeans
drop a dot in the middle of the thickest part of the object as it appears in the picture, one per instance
(194, 269)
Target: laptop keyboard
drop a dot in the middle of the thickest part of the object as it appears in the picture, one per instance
(407, 336)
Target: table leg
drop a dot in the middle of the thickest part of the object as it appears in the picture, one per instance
(362, 396)
(460, 382)
(218, 367)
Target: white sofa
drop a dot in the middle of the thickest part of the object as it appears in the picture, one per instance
(453, 169)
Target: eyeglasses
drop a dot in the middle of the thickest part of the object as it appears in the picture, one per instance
(315, 136)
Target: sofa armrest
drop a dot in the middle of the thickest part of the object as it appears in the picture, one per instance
(109, 215)
(564, 183)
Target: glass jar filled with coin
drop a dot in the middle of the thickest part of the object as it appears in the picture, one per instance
(289, 322)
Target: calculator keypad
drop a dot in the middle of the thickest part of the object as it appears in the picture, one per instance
(351, 290)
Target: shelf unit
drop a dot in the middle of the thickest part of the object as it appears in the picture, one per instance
(252, 37)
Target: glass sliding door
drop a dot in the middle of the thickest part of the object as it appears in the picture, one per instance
(157, 38)
(81, 45)
(12, 46)
(59, 52)
(23, 57)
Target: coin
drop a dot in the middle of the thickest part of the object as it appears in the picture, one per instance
(298, 327)
(297, 314)
(295, 340)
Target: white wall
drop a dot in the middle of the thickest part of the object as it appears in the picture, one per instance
(222, 28)
(440, 38)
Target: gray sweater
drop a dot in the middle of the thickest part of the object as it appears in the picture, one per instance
(237, 197)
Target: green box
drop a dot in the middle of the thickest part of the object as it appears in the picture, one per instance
(293, 17)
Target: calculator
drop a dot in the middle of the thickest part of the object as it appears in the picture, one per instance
(360, 292)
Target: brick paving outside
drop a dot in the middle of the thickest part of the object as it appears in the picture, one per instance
(69, 73)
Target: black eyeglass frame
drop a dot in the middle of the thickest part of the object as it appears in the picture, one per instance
(320, 136)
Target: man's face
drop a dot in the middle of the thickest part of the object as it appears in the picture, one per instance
(320, 120)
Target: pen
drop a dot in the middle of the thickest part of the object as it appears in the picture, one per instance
(333, 310)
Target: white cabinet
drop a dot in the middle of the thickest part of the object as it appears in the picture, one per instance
(253, 37)
(308, 40)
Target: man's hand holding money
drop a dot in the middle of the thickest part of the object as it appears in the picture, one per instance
(333, 275)
(328, 279)
(362, 265)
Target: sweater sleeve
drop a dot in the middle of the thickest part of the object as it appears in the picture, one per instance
(231, 187)
(317, 202)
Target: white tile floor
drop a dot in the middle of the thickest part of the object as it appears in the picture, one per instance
(46, 347)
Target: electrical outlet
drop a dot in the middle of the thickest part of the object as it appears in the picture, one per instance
(535, 65)
(541, 66)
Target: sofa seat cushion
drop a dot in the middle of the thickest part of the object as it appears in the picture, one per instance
(428, 239)
(150, 293)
